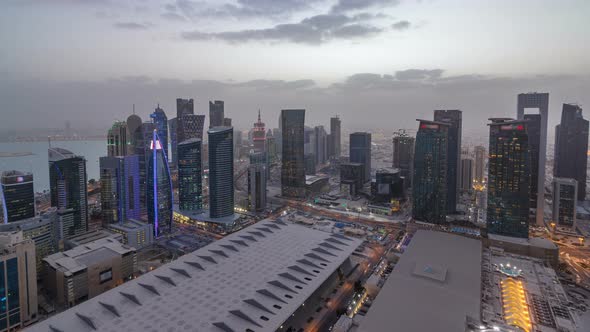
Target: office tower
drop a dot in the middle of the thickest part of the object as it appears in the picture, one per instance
(221, 172)
(18, 274)
(259, 135)
(119, 188)
(565, 202)
(227, 122)
(387, 187)
(134, 134)
(143, 152)
(237, 144)
(184, 106)
(335, 137)
(310, 165)
(571, 146)
(190, 126)
(117, 140)
(321, 145)
(161, 121)
(309, 141)
(293, 166)
(351, 178)
(18, 196)
(429, 181)
(190, 185)
(173, 132)
(360, 152)
(159, 187)
(466, 178)
(67, 182)
(271, 147)
(537, 131)
(257, 175)
(216, 113)
(509, 178)
(480, 164)
(403, 155)
(454, 119)
(278, 135)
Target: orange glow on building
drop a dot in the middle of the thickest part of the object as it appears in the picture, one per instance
(515, 307)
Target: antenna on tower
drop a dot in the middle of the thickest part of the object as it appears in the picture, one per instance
(259, 115)
(133, 108)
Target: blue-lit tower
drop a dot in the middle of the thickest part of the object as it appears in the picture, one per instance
(161, 121)
(159, 187)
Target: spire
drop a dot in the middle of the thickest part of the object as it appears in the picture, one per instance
(259, 116)
(133, 108)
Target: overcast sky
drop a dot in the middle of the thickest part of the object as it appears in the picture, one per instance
(376, 63)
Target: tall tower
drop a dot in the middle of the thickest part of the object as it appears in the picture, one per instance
(18, 196)
(335, 137)
(117, 140)
(403, 155)
(259, 135)
(321, 145)
(509, 178)
(293, 159)
(454, 119)
(480, 164)
(257, 182)
(221, 172)
(537, 131)
(430, 172)
(161, 121)
(119, 186)
(159, 187)
(190, 185)
(360, 152)
(184, 106)
(565, 202)
(216, 113)
(67, 182)
(134, 134)
(571, 147)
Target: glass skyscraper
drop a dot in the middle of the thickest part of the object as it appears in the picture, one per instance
(119, 179)
(334, 149)
(360, 152)
(117, 140)
(257, 175)
(430, 172)
(509, 178)
(190, 186)
(161, 122)
(159, 187)
(292, 125)
(403, 155)
(216, 113)
(18, 196)
(67, 182)
(221, 172)
(454, 119)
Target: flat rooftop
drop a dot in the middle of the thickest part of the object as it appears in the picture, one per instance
(434, 287)
(253, 279)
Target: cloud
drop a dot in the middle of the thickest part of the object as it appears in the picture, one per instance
(343, 6)
(241, 8)
(173, 17)
(132, 25)
(418, 74)
(401, 25)
(409, 78)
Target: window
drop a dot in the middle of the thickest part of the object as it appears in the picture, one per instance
(288, 296)
(264, 318)
(106, 275)
(277, 306)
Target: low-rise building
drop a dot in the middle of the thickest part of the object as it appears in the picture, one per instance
(135, 233)
(316, 184)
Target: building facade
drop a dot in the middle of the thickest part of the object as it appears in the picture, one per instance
(509, 178)
(216, 113)
(403, 155)
(136, 234)
(321, 145)
(454, 119)
(119, 180)
(117, 140)
(466, 178)
(18, 196)
(351, 178)
(159, 188)
(257, 175)
(259, 135)
(360, 152)
(190, 178)
(221, 172)
(480, 164)
(293, 158)
(335, 147)
(161, 122)
(565, 202)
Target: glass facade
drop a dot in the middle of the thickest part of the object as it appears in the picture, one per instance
(216, 113)
(403, 155)
(565, 201)
(454, 119)
(430, 172)
(360, 152)
(159, 188)
(161, 122)
(9, 294)
(293, 157)
(190, 185)
(509, 178)
(221, 172)
(119, 178)
(117, 139)
(17, 194)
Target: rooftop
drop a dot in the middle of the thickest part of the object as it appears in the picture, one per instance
(435, 286)
(252, 279)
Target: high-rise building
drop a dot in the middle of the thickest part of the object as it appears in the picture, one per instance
(321, 145)
(429, 181)
(257, 175)
(351, 178)
(161, 121)
(173, 133)
(565, 202)
(360, 152)
(537, 131)
(571, 147)
(18, 196)
(159, 187)
(278, 135)
(335, 137)
(227, 122)
(403, 155)
(466, 178)
(259, 135)
(119, 188)
(190, 126)
(216, 113)
(271, 147)
(134, 134)
(143, 151)
(184, 106)
(309, 141)
(18, 274)
(117, 141)
(509, 178)
(387, 187)
(480, 164)
(221, 172)
(190, 185)
(67, 183)
(293, 158)
(454, 119)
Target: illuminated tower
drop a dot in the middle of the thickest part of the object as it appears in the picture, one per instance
(18, 197)
(259, 135)
(159, 187)
(161, 122)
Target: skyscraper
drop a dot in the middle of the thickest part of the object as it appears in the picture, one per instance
(335, 137)
(509, 178)
(271, 147)
(216, 113)
(221, 172)
(117, 140)
(429, 181)
(143, 151)
(480, 164)
(18, 196)
(67, 182)
(454, 119)
(257, 182)
(190, 185)
(119, 185)
(190, 126)
(173, 132)
(227, 122)
(134, 134)
(159, 187)
(537, 145)
(184, 106)
(466, 178)
(571, 147)
(259, 135)
(161, 121)
(293, 158)
(403, 155)
(565, 202)
(360, 152)
(321, 145)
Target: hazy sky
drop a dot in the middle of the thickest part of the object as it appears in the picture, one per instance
(376, 63)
